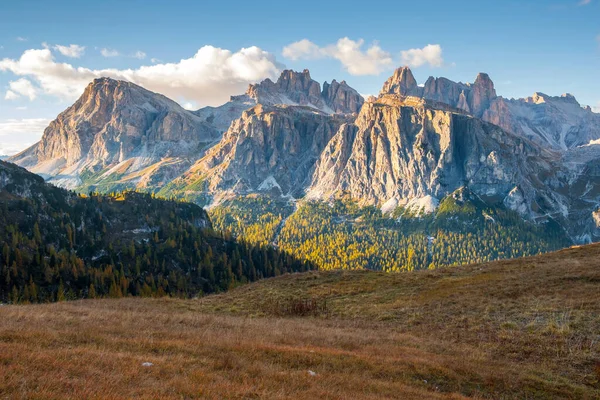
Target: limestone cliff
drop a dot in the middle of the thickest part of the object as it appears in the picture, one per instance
(269, 147)
(399, 151)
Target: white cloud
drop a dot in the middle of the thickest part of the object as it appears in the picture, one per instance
(21, 39)
(584, 2)
(18, 134)
(73, 50)
(349, 52)
(430, 54)
(597, 108)
(155, 60)
(10, 95)
(109, 53)
(189, 106)
(140, 55)
(357, 62)
(303, 50)
(21, 87)
(207, 78)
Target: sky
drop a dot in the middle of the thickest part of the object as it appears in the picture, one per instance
(199, 53)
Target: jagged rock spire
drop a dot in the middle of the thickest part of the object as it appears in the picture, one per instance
(402, 83)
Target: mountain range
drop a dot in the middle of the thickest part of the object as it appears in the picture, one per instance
(295, 140)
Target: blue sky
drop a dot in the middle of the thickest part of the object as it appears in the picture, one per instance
(525, 46)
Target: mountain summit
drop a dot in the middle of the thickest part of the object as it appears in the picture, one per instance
(115, 123)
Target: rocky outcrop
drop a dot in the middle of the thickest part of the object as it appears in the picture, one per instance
(292, 88)
(481, 95)
(577, 182)
(446, 91)
(556, 121)
(405, 152)
(402, 83)
(474, 98)
(269, 147)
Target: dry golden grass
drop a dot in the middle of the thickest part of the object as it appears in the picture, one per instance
(526, 328)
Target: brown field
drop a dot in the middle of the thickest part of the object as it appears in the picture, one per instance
(522, 329)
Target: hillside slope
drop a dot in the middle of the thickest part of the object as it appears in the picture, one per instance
(56, 244)
(525, 328)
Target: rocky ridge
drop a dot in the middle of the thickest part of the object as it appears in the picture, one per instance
(292, 89)
(404, 151)
(556, 121)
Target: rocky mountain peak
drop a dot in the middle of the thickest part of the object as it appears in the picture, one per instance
(482, 94)
(111, 122)
(269, 147)
(541, 98)
(341, 98)
(537, 98)
(292, 88)
(402, 83)
(298, 88)
(291, 81)
(104, 92)
(483, 79)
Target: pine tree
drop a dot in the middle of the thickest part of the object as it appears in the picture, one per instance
(15, 295)
(60, 294)
(92, 291)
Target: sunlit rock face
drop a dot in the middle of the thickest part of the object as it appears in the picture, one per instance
(112, 123)
(276, 144)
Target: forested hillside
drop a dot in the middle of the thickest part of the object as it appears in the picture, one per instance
(57, 245)
(340, 234)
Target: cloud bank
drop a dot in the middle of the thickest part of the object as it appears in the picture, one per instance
(209, 77)
(348, 52)
(21, 87)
